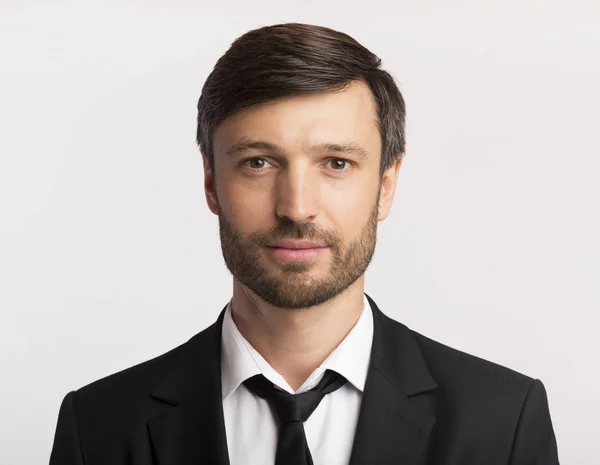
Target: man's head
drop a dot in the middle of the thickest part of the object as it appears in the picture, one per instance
(302, 136)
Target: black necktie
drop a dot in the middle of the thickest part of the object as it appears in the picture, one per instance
(293, 410)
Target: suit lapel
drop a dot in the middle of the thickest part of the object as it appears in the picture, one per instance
(396, 416)
(192, 430)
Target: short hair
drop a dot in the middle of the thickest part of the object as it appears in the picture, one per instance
(293, 59)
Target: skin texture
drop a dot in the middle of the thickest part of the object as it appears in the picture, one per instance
(296, 313)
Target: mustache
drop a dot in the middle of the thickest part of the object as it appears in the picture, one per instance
(294, 232)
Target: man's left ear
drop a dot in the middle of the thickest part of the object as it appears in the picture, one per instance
(388, 188)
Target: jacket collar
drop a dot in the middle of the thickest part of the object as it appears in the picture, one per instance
(395, 420)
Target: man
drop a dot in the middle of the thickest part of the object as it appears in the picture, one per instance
(302, 136)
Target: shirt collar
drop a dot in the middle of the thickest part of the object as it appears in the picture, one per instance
(240, 361)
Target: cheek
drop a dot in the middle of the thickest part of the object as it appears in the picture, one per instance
(352, 205)
(246, 209)
(348, 215)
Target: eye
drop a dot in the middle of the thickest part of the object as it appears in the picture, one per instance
(255, 167)
(339, 162)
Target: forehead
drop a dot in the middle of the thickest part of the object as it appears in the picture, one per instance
(347, 117)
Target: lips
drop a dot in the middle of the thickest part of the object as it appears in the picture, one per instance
(298, 254)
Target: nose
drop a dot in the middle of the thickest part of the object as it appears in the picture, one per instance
(297, 194)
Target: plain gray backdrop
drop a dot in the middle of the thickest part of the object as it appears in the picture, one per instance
(109, 255)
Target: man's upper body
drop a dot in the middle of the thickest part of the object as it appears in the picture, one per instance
(302, 137)
(422, 403)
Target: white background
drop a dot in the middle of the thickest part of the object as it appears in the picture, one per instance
(109, 255)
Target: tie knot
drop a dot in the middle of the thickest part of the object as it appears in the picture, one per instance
(294, 407)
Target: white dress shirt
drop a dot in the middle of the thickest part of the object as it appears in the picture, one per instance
(251, 426)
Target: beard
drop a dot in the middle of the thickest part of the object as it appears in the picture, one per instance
(289, 284)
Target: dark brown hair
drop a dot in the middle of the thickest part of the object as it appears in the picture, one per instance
(297, 59)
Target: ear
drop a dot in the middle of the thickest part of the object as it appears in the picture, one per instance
(388, 189)
(209, 187)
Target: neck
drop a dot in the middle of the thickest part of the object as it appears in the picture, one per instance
(296, 341)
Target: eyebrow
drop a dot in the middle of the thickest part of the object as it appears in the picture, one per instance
(245, 144)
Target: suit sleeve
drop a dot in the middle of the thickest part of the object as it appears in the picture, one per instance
(66, 449)
(535, 442)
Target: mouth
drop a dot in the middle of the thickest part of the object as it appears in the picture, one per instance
(297, 254)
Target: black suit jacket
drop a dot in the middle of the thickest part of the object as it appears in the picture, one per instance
(423, 403)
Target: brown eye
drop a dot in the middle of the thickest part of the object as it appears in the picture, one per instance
(338, 164)
(256, 163)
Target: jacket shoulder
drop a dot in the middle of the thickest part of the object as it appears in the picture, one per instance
(122, 398)
(451, 366)
(138, 376)
(109, 412)
(479, 401)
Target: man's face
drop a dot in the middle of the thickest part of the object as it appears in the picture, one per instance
(270, 186)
